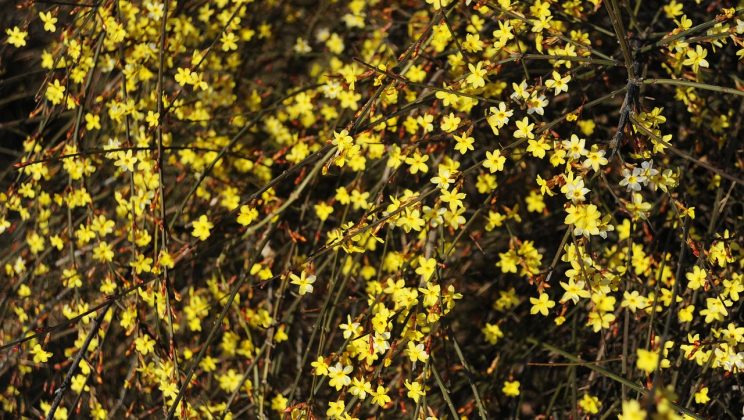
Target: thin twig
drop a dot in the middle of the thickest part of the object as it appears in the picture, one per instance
(59, 392)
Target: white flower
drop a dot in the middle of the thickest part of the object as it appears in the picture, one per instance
(574, 189)
(647, 170)
(576, 147)
(301, 46)
(734, 361)
(577, 192)
(536, 104)
(633, 180)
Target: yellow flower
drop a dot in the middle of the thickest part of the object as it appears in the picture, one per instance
(360, 388)
(35, 243)
(24, 291)
(524, 129)
(595, 159)
(492, 333)
(476, 78)
(339, 376)
(230, 381)
(303, 281)
(701, 397)
(443, 178)
(279, 403)
(590, 404)
(544, 187)
(463, 143)
(416, 352)
(498, 117)
(511, 388)
(165, 259)
(228, 40)
(425, 121)
(438, 4)
(431, 293)
(557, 83)
(585, 218)
(417, 163)
(450, 123)
(103, 252)
(633, 301)
(672, 9)
(247, 215)
(486, 183)
(472, 44)
(201, 228)
(508, 261)
(40, 356)
(632, 411)
(78, 383)
(558, 157)
(60, 414)
(733, 287)
(574, 291)
(152, 118)
(623, 230)
(128, 318)
(97, 411)
(696, 278)
(126, 161)
(696, 58)
(647, 360)
(715, 309)
(453, 198)
(575, 146)
(323, 210)
(108, 286)
(426, 267)
(535, 202)
(183, 76)
(4, 224)
(541, 304)
(335, 409)
(380, 396)
(55, 92)
(48, 20)
(141, 264)
(415, 390)
(169, 389)
(144, 344)
(494, 161)
(208, 364)
(342, 140)
(71, 278)
(16, 37)
(686, 314)
(320, 367)
(335, 44)
(507, 300)
(538, 147)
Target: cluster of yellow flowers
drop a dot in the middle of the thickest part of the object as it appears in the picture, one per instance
(255, 208)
